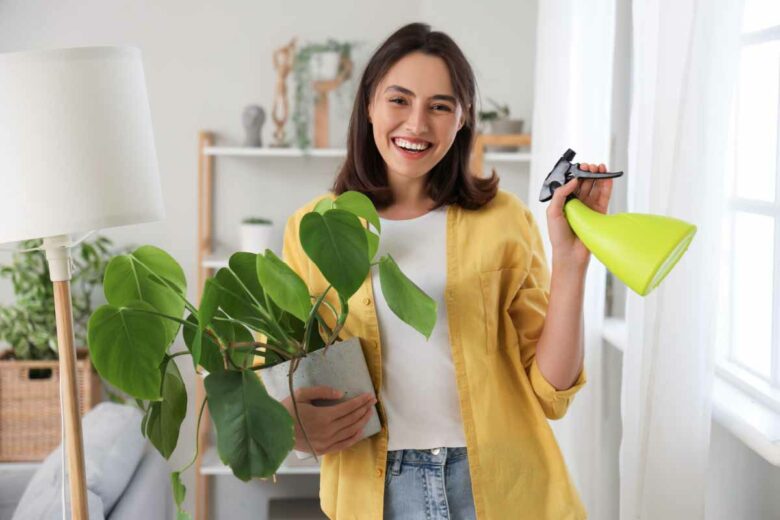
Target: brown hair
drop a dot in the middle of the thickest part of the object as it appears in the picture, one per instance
(450, 181)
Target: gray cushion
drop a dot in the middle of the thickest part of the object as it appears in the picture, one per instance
(113, 446)
(148, 496)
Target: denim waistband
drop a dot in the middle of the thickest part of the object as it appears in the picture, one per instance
(427, 456)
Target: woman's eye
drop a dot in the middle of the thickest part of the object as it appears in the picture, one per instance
(399, 100)
(441, 108)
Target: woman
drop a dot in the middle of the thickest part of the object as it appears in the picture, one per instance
(465, 431)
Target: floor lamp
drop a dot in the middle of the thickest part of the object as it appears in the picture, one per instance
(76, 154)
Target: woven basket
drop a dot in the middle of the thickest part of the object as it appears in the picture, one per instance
(30, 405)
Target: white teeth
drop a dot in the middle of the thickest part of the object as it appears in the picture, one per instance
(403, 143)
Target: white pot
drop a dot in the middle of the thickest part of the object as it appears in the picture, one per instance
(255, 238)
(341, 366)
(325, 65)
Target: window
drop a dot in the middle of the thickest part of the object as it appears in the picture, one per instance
(749, 328)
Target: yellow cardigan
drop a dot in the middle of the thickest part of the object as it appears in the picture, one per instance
(497, 294)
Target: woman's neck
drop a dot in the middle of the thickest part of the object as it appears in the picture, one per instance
(410, 199)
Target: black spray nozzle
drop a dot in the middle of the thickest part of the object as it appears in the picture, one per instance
(564, 171)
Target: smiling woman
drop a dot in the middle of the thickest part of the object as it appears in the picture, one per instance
(464, 413)
(412, 128)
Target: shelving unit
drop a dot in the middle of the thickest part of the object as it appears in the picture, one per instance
(210, 259)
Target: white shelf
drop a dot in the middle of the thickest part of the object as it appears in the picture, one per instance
(211, 465)
(273, 152)
(615, 333)
(218, 258)
(237, 151)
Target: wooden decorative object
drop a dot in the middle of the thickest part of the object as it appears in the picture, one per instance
(323, 88)
(482, 140)
(283, 61)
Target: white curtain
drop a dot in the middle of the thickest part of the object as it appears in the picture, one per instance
(685, 57)
(572, 109)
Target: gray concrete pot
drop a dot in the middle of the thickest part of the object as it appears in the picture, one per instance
(341, 366)
(504, 126)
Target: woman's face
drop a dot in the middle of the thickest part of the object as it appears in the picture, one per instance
(415, 115)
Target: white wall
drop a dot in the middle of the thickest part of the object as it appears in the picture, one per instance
(205, 61)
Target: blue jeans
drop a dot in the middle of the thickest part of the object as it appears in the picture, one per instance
(428, 485)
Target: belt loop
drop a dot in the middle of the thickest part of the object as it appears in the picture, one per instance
(399, 458)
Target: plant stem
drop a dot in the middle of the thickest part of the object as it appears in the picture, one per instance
(312, 318)
(197, 431)
(182, 353)
(269, 318)
(279, 351)
(293, 368)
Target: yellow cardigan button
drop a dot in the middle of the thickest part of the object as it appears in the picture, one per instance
(366, 301)
(379, 472)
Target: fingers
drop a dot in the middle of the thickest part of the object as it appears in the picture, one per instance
(355, 415)
(308, 393)
(559, 197)
(342, 409)
(350, 435)
(595, 192)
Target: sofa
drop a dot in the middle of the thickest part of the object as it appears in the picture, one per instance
(126, 477)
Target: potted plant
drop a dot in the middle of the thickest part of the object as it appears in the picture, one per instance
(130, 337)
(255, 234)
(497, 121)
(314, 62)
(29, 370)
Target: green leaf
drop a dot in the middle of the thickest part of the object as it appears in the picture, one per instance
(237, 334)
(163, 265)
(128, 279)
(405, 299)
(166, 416)
(323, 205)
(127, 347)
(209, 302)
(337, 244)
(359, 205)
(244, 265)
(254, 431)
(283, 285)
(373, 244)
(235, 300)
(210, 357)
(179, 490)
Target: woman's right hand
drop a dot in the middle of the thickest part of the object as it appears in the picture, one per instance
(330, 428)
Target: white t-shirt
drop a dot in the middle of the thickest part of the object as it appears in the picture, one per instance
(419, 391)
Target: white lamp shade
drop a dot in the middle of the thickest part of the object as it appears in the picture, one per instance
(76, 144)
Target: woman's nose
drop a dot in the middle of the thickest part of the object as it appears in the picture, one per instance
(417, 122)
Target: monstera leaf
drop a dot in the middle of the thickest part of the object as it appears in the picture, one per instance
(127, 347)
(337, 244)
(254, 431)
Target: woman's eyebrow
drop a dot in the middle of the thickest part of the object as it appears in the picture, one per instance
(402, 90)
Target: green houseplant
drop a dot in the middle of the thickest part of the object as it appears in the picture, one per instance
(28, 325)
(130, 336)
(302, 74)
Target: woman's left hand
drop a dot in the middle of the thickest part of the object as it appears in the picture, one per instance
(567, 248)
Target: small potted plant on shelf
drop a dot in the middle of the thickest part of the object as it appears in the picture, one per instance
(258, 294)
(497, 121)
(255, 234)
(28, 369)
(314, 62)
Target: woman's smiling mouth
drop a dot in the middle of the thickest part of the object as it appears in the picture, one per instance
(411, 149)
